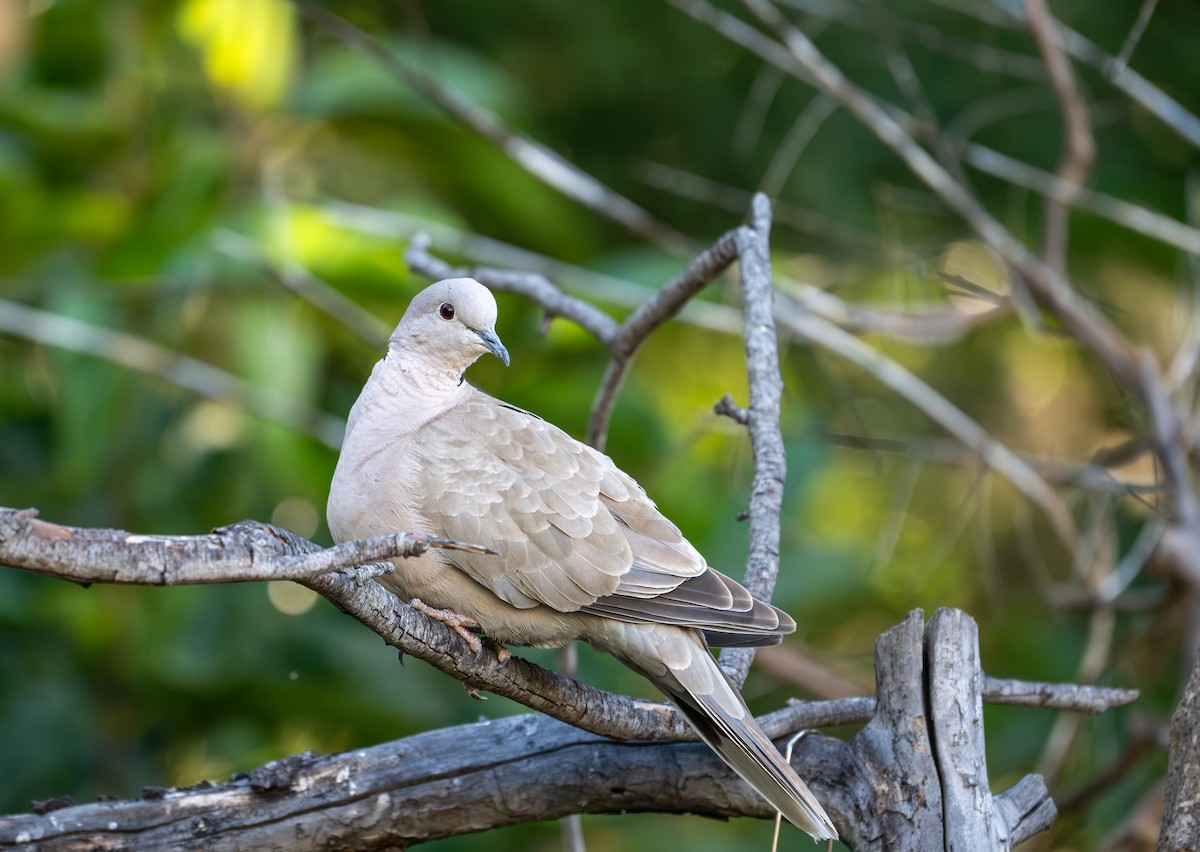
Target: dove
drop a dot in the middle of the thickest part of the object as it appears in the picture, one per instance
(582, 553)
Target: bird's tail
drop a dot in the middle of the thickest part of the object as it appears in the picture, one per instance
(688, 674)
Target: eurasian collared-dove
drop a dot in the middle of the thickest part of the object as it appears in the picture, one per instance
(583, 552)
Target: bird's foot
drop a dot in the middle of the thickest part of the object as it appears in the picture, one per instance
(460, 624)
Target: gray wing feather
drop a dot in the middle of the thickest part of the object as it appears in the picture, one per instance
(574, 532)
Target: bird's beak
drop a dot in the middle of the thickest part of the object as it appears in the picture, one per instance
(493, 344)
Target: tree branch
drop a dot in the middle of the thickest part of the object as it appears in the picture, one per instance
(253, 551)
(525, 768)
(766, 439)
(533, 286)
(175, 368)
(532, 156)
(1079, 148)
(447, 782)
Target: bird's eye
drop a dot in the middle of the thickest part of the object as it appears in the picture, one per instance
(446, 311)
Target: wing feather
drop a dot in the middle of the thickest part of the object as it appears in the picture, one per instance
(574, 532)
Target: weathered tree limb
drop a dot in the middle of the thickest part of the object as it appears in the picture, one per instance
(255, 551)
(917, 765)
(252, 551)
(517, 769)
(226, 555)
(766, 438)
(1181, 800)
(922, 752)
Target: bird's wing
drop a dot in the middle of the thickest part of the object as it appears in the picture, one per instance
(499, 476)
(574, 532)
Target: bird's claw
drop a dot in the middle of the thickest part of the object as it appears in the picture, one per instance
(503, 655)
(460, 624)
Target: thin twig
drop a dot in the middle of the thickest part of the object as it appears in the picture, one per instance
(1135, 35)
(1089, 477)
(534, 157)
(1168, 110)
(1141, 220)
(990, 451)
(605, 401)
(1144, 741)
(734, 199)
(791, 149)
(175, 368)
(983, 56)
(300, 281)
(1079, 148)
(726, 408)
(801, 57)
(532, 285)
(650, 315)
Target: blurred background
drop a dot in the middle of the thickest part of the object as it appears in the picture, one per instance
(203, 211)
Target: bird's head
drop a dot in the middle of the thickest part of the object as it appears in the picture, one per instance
(449, 325)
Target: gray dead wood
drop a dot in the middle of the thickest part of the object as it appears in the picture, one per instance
(914, 777)
(1181, 799)
(918, 768)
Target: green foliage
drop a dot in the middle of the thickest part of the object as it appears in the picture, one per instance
(134, 134)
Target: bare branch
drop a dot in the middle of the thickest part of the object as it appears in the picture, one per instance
(803, 129)
(532, 285)
(766, 439)
(1136, 218)
(983, 56)
(486, 250)
(668, 301)
(1168, 110)
(298, 280)
(1145, 739)
(991, 452)
(651, 314)
(734, 199)
(935, 325)
(410, 791)
(1079, 148)
(1135, 35)
(725, 407)
(1055, 696)
(605, 401)
(534, 157)
(429, 786)
(253, 551)
(805, 670)
(175, 368)
(801, 57)
(229, 554)
(1089, 477)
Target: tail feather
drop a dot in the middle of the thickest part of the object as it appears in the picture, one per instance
(748, 751)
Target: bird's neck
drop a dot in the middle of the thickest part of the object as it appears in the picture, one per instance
(401, 396)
